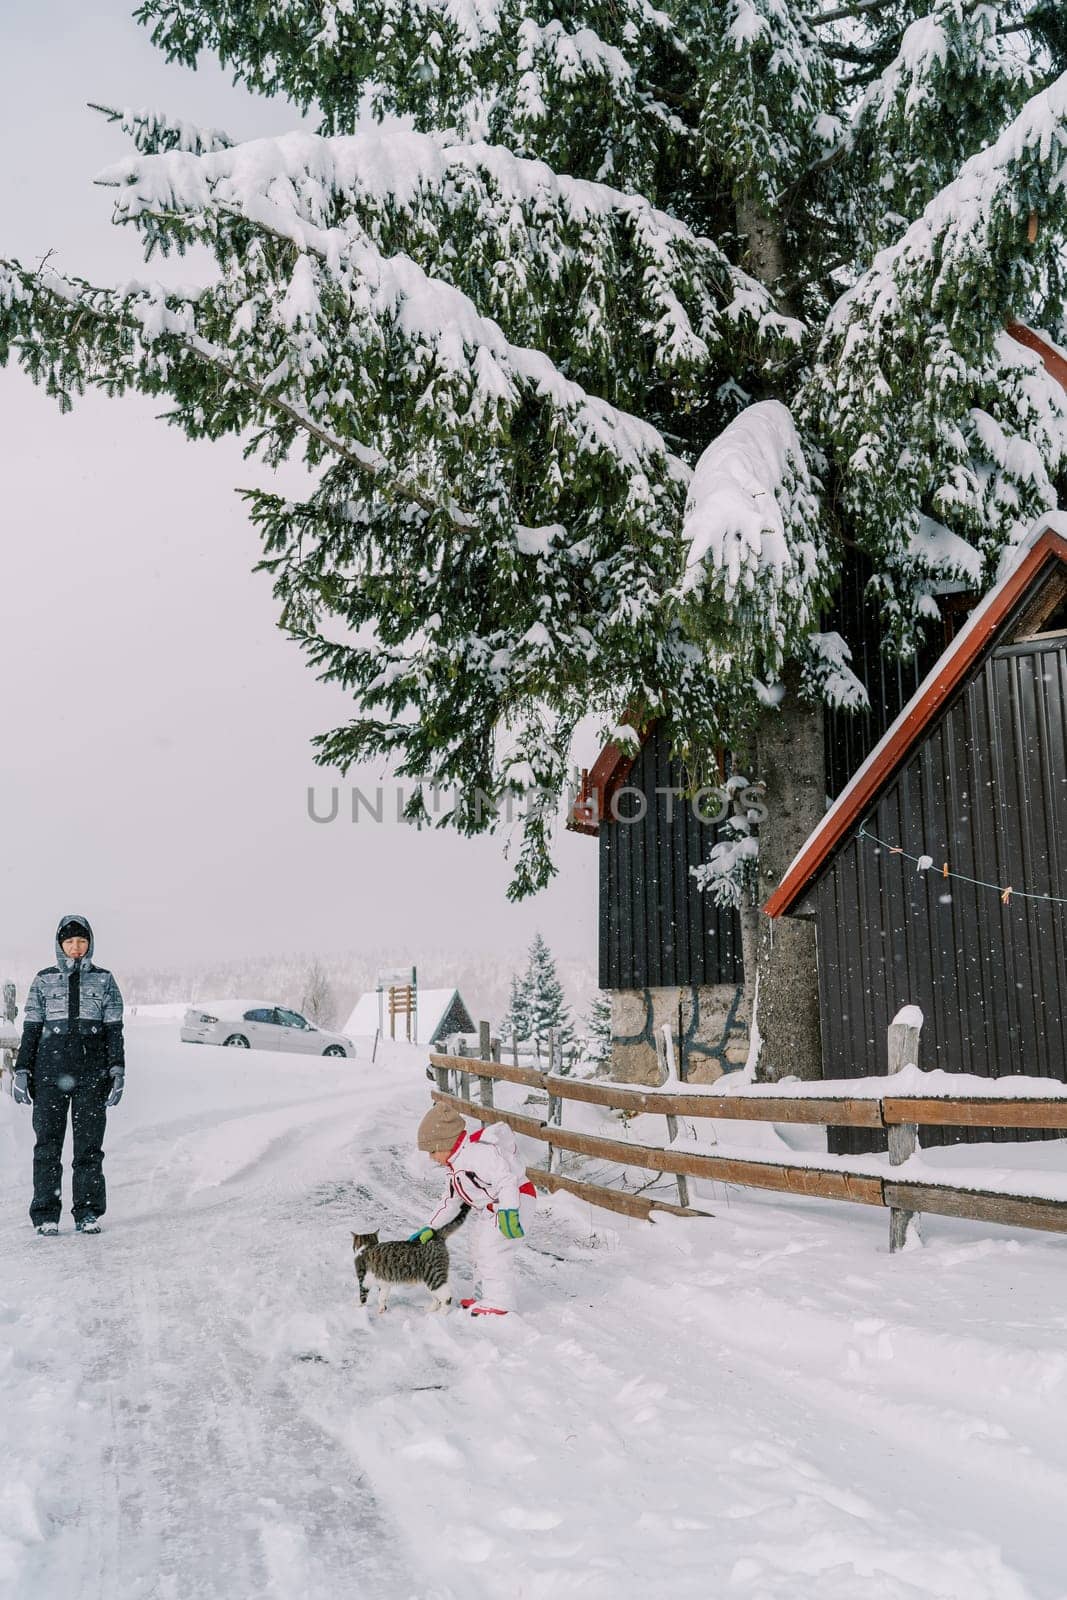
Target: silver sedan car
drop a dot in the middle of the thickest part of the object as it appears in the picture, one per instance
(259, 1026)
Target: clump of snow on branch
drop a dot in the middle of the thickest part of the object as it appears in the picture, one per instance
(826, 673)
(756, 564)
(730, 873)
(902, 129)
(949, 560)
(153, 132)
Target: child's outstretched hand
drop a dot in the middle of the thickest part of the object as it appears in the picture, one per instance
(509, 1224)
(423, 1235)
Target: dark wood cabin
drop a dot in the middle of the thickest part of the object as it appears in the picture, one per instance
(970, 779)
(655, 929)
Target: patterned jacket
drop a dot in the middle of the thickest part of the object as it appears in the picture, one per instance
(73, 1019)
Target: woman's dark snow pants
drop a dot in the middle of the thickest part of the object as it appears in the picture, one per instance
(87, 1099)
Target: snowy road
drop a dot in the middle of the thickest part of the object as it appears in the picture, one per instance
(193, 1406)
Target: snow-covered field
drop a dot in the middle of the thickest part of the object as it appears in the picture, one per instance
(759, 1406)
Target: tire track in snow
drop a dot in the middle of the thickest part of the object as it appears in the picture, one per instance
(185, 1472)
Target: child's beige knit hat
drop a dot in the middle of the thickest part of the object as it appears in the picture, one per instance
(439, 1129)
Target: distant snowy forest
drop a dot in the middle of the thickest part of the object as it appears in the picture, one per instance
(483, 980)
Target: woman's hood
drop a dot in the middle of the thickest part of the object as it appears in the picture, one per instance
(63, 961)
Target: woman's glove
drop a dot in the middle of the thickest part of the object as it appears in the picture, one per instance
(509, 1224)
(422, 1235)
(20, 1089)
(118, 1082)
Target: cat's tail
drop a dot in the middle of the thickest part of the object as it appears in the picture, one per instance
(457, 1222)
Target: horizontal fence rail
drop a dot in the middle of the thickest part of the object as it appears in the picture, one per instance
(899, 1114)
(798, 1179)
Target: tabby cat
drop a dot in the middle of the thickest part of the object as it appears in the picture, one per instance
(406, 1261)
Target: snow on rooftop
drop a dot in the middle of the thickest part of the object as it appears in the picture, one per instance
(433, 1007)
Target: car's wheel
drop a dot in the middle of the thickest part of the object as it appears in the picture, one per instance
(334, 1050)
(238, 1041)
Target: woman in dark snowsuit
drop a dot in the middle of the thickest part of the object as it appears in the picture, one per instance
(71, 1057)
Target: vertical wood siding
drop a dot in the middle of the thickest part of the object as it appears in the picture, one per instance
(986, 791)
(656, 928)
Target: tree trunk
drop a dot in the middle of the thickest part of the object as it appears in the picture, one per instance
(792, 764)
(765, 250)
(790, 760)
(750, 919)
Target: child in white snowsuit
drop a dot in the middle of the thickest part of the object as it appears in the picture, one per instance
(485, 1173)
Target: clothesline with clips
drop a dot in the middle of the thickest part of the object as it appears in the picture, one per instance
(1006, 892)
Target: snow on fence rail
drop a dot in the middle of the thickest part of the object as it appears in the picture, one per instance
(929, 1099)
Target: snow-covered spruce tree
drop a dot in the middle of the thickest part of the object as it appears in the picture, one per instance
(515, 1023)
(546, 1007)
(604, 361)
(598, 1029)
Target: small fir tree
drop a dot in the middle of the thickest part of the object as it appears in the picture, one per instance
(598, 1029)
(544, 997)
(516, 1021)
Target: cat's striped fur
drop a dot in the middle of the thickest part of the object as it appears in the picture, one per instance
(406, 1261)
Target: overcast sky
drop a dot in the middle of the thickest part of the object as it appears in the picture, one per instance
(154, 749)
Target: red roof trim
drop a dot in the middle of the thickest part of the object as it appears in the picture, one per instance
(605, 777)
(902, 737)
(1055, 364)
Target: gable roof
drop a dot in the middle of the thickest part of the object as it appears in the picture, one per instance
(1045, 548)
(437, 1009)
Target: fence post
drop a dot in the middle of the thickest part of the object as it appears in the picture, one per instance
(670, 1065)
(441, 1074)
(555, 1106)
(485, 1050)
(463, 1078)
(904, 1033)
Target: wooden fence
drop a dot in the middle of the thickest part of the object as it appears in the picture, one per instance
(900, 1115)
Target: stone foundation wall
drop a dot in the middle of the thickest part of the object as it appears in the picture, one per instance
(707, 1019)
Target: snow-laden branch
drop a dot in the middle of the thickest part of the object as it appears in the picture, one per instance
(899, 135)
(581, 88)
(916, 389)
(818, 19)
(385, 296)
(768, 113)
(338, 279)
(409, 191)
(914, 78)
(165, 321)
(757, 564)
(153, 132)
(944, 556)
(826, 673)
(964, 231)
